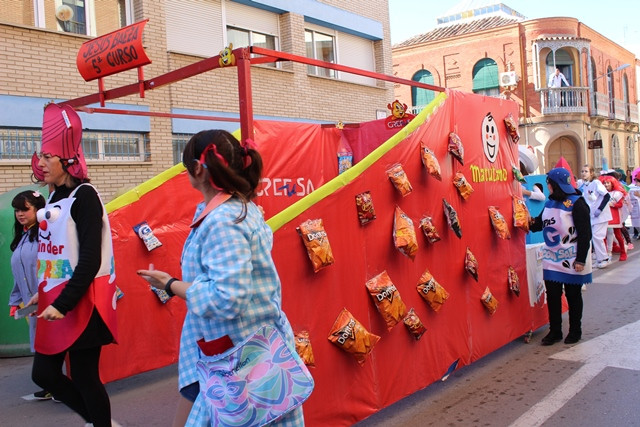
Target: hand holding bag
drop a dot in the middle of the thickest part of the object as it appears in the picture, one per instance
(256, 382)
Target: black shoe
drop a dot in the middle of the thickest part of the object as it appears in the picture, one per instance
(551, 338)
(42, 395)
(572, 338)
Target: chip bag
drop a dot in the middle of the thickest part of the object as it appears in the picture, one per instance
(404, 234)
(387, 299)
(317, 243)
(349, 334)
(464, 188)
(514, 281)
(399, 179)
(499, 223)
(521, 216)
(429, 230)
(517, 175)
(489, 301)
(430, 161)
(512, 128)
(471, 264)
(364, 206)
(303, 348)
(452, 218)
(429, 289)
(455, 147)
(414, 325)
(145, 233)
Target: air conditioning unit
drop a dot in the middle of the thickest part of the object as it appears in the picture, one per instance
(508, 79)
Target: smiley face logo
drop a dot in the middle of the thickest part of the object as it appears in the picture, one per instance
(490, 138)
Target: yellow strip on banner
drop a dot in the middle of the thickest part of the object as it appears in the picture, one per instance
(292, 211)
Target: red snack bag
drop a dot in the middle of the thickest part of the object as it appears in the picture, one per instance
(452, 218)
(521, 214)
(429, 230)
(387, 299)
(455, 147)
(499, 223)
(404, 234)
(430, 161)
(512, 128)
(349, 334)
(429, 289)
(364, 205)
(414, 325)
(471, 264)
(399, 179)
(317, 243)
(489, 301)
(514, 281)
(464, 188)
(303, 348)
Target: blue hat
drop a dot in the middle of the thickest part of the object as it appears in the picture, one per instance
(562, 177)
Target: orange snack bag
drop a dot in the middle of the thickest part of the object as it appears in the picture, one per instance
(521, 214)
(349, 334)
(317, 243)
(455, 147)
(404, 234)
(489, 301)
(512, 128)
(471, 264)
(387, 299)
(364, 205)
(464, 188)
(414, 325)
(429, 289)
(514, 281)
(429, 230)
(499, 223)
(430, 161)
(399, 179)
(303, 348)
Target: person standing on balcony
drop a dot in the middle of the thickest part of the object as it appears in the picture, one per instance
(555, 82)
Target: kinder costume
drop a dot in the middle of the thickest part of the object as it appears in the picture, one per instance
(58, 254)
(597, 197)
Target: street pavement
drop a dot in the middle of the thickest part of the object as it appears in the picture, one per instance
(593, 383)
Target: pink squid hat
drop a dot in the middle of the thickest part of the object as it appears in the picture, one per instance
(62, 137)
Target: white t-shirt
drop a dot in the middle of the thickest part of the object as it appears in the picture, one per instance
(593, 192)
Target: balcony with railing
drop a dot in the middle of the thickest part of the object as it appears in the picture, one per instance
(613, 109)
(564, 100)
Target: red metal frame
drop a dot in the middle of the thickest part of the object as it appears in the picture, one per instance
(244, 60)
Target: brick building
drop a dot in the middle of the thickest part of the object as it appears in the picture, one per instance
(39, 41)
(495, 51)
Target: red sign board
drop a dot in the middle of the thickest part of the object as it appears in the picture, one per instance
(112, 53)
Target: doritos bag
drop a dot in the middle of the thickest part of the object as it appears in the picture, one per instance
(521, 214)
(404, 234)
(429, 289)
(303, 348)
(364, 206)
(399, 179)
(349, 334)
(499, 223)
(464, 188)
(429, 230)
(452, 218)
(317, 243)
(455, 147)
(387, 299)
(489, 301)
(430, 161)
(471, 264)
(514, 281)
(512, 128)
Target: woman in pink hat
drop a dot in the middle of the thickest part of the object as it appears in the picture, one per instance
(76, 291)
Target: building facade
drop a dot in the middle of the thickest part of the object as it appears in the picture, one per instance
(40, 39)
(493, 50)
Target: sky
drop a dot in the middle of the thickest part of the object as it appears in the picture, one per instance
(618, 20)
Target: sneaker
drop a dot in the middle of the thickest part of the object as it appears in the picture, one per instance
(604, 263)
(623, 257)
(42, 395)
(551, 338)
(584, 288)
(636, 237)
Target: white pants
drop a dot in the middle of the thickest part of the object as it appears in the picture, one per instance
(598, 233)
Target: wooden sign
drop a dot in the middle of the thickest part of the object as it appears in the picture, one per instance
(112, 53)
(594, 143)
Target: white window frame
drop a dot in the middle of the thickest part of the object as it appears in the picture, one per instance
(312, 69)
(90, 17)
(616, 161)
(251, 33)
(597, 154)
(631, 153)
(128, 12)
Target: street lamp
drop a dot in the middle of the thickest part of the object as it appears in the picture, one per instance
(622, 67)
